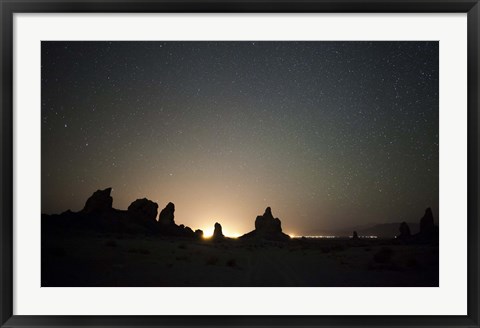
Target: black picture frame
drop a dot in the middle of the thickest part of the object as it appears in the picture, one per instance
(9, 8)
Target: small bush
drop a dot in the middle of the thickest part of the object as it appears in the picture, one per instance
(182, 246)
(212, 260)
(412, 263)
(384, 255)
(182, 258)
(325, 250)
(337, 248)
(111, 243)
(232, 263)
(305, 247)
(139, 251)
(58, 251)
(383, 266)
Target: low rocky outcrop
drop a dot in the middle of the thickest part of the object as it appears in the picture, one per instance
(144, 212)
(100, 201)
(188, 231)
(404, 231)
(199, 234)
(428, 231)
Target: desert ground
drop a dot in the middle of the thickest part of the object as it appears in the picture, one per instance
(108, 259)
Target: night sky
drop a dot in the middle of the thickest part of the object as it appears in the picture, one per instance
(329, 134)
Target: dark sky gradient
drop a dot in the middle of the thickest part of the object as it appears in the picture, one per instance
(329, 134)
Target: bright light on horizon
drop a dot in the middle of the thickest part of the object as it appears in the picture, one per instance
(208, 233)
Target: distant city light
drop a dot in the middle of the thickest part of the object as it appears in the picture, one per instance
(333, 237)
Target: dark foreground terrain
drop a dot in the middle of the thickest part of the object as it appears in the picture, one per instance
(103, 246)
(87, 259)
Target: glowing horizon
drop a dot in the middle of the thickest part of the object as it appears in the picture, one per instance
(328, 134)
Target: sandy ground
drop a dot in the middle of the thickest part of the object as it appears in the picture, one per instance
(92, 259)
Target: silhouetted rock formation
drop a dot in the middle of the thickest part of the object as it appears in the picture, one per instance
(428, 231)
(266, 224)
(100, 201)
(143, 212)
(355, 235)
(98, 215)
(217, 232)
(188, 232)
(404, 231)
(427, 226)
(267, 227)
(199, 234)
(166, 216)
(166, 224)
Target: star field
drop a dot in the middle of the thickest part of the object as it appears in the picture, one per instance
(329, 134)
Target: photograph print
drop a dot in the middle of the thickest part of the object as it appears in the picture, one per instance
(240, 164)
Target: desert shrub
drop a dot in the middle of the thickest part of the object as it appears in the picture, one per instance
(305, 247)
(325, 249)
(111, 243)
(182, 246)
(412, 263)
(212, 260)
(392, 267)
(58, 251)
(384, 255)
(383, 266)
(338, 248)
(182, 258)
(367, 249)
(139, 251)
(370, 266)
(232, 263)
